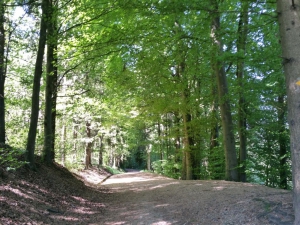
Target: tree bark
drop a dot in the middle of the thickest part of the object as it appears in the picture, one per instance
(55, 76)
(2, 74)
(231, 172)
(149, 148)
(187, 173)
(241, 49)
(35, 99)
(50, 99)
(289, 24)
(88, 148)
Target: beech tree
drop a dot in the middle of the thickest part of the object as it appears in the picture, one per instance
(231, 172)
(35, 102)
(240, 68)
(51, 84)
(2, 73)
(289, 23)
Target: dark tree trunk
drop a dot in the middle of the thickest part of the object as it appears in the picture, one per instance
(241, 48)
(187, 173)
(35, 100)
(231, 172)
(55, 79)
(88, 148)
(2, 74)
(50, 79)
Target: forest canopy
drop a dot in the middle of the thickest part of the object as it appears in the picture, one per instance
(186, 88)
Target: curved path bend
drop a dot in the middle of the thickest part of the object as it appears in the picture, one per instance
(145, 198)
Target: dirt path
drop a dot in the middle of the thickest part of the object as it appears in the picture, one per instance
(55, 196)
(145, 198)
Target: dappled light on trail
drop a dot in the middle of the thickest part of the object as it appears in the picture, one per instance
(54, 196)
(131, 177)
(148, 198)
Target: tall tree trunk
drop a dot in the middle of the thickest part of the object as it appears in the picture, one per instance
(241, 49)
(35, 99)
(2, 74)
(55, 75)
(149, 148)
(88, 147)
(187, 173)
(289, 23)
(49, 122)
(231, 172)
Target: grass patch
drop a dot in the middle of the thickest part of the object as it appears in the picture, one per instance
(113, 170)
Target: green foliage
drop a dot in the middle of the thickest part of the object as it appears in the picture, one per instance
(135, 68)
(114, 170)
(10, 158)
(216, 163)
(73, 165)
(167, 168)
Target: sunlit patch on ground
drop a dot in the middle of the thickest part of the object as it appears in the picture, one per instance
(133, 177)
(220, 188)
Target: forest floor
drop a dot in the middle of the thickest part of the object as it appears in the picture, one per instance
(54, 195)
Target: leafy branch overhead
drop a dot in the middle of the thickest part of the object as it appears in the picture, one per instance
(189, 89)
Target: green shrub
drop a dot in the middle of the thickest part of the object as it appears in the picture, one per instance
(113, 170)
(11, 158)
(167, 168)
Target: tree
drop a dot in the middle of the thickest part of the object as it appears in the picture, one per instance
(183, 77)
(231, 172)
(51, 85)
(241, 49)
(2, 73)
(35, 102)
(288, 15)
(89, 143)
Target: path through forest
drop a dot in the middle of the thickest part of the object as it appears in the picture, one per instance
(53, 195)
(146, 198)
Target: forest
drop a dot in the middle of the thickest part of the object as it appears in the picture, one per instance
(185, 88)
